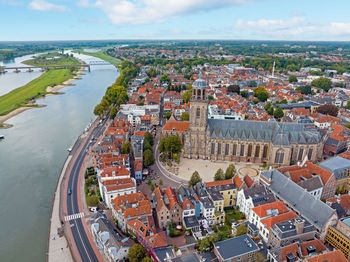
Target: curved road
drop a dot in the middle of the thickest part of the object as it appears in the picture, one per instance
(81, 239)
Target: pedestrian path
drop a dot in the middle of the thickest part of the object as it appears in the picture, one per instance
(74, 216)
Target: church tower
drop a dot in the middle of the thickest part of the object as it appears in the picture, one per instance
(199, 106)
(196, 139)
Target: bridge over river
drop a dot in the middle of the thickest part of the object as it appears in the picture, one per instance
(18, 69)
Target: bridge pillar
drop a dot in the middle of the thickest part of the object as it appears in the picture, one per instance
(89, 70)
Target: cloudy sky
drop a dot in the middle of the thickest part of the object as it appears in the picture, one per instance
(175, 19)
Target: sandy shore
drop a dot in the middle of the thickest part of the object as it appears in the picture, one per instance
(49, 89)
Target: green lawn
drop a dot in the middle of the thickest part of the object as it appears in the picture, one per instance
(42, 60)
(34, 89)
(102, 55)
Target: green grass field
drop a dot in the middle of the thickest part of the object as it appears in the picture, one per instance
(21, 96)
(102, 55)
(42, 60)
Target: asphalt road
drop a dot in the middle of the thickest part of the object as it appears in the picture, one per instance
(80, 236)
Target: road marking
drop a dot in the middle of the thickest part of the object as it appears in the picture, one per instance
(74, 216)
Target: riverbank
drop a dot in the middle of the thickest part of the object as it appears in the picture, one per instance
(25, 97)
(102, 55)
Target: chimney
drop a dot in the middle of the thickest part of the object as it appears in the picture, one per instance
(299, 225)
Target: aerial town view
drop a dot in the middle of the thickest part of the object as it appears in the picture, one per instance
(175, 131)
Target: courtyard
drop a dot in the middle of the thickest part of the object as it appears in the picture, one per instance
(207, 168)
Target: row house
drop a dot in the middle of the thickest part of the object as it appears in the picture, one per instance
(147, 236)
(290, 230)
(249, 198)
(108, 241)
(167, 207)
(127, 207)
(112, 188)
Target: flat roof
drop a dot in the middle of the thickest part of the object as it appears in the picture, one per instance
(335, 163)
(235, 247)
(346, 221)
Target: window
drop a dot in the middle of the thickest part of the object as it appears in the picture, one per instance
(219, 148)
(227, 146)
(212, 148)
(234, 149)
(242, 150)
(300, 155)
(309, 155)
(265, 151)
(198, 112)
(257, 150)
(250, 149)
(279, 156)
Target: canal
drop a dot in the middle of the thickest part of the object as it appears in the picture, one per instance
(32, 155)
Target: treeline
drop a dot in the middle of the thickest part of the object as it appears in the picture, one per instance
(116, 94)
(292, 64)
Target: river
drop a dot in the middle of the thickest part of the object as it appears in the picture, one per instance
(32, 155)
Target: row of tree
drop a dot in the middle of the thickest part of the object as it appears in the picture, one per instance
(116, 94)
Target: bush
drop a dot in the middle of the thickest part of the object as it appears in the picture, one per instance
(92, 200)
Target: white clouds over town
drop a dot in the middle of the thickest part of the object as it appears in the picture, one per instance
(41, 5)
(154, 11)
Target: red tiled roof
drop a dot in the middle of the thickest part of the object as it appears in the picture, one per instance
(237, 181)
(180, 126)
(261, 211)
(317, 243)
(269, 222)
(290, 249)
(219, 183)
(332, 256)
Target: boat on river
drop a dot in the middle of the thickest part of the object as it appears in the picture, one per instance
(2, 137)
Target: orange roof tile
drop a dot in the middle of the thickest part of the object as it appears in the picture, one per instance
(261, 211)
(317, 243)
(290, 249)
(237, 181)
(269, 222)
(219, 183)
(332, 256)
(180, 126)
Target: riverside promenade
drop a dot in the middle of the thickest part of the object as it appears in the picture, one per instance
(58, 249)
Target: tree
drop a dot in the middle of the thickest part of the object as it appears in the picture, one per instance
(147, 146)
(148, 158)
(270, 111)
(210, 98)
(170, 145)
(347, 105)
(147, 259)
(113, 112)
(347, 125)
(136, 253)
(195, 178)
(125, 148)
(92, 201)
(328, 110)
(293, 79)
(305, 90)
(149, 138)
(234, 89)
(230, 171)
(165, 78)
(261, 93)
(323, 83)
(160, 182)
(267, 106)
(167, 115)
(241, 229)
(219, 175)
(185, 116)
(244, 93)
(187, 96)
(278, 113)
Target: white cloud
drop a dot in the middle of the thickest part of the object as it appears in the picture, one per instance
(153, 11)
(295, 27)
(41, 5)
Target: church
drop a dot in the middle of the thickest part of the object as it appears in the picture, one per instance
(271, 142)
